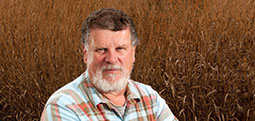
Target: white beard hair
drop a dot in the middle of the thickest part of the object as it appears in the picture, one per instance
(107, 86)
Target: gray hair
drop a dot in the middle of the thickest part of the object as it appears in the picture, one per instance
(110, 19)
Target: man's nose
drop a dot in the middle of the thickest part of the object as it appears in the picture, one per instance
(111, 57)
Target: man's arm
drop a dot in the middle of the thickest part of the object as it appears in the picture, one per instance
(55, 112)
(164, 112)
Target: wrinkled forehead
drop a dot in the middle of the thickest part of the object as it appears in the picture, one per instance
(106, 36)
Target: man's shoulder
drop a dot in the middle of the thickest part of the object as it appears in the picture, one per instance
(144, 89)
(70, 93)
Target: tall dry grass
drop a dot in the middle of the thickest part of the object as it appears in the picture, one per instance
(198, 54)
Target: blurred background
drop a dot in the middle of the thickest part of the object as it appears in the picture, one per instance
(199, 55)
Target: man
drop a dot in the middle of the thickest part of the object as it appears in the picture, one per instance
(105, 91)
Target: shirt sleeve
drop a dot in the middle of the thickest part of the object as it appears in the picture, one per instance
(55, 112)
(164, 112)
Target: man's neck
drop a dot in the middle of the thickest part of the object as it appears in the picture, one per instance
(117, 98)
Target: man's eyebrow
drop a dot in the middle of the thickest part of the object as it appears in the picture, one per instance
(99, 48)
(122, 45)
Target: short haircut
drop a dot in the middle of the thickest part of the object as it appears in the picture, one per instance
(109, 19)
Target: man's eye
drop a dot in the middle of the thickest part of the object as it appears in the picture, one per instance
(120, 48)
(101, 50)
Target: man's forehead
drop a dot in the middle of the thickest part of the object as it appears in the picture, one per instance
(105, 36)
(110, 43)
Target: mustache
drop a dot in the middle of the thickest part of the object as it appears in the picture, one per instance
(107, 67)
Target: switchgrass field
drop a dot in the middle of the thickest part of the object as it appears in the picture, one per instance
(199, 55)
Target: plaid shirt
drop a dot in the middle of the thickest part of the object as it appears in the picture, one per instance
(80, 101)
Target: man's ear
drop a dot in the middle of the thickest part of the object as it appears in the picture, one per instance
(85, 54)
(133, 53)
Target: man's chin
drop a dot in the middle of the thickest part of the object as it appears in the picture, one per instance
(111, 85)
(111, 79)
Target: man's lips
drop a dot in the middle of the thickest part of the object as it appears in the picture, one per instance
(111, 70)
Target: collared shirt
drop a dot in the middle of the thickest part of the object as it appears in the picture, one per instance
(81, 101)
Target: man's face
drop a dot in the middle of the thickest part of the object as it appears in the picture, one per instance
(109, 58)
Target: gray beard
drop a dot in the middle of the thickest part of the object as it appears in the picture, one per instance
(108, 86)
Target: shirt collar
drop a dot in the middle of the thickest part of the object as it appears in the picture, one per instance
(132, 93)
